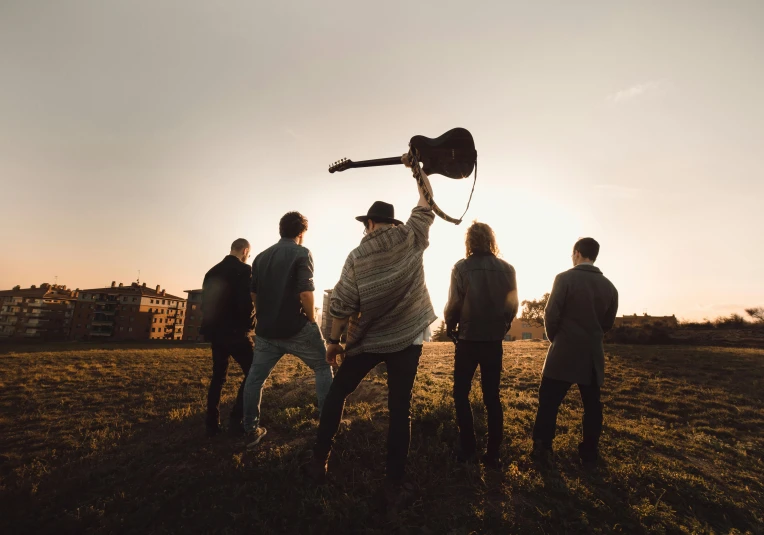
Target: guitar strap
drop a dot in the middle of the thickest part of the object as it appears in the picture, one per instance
(417, 171)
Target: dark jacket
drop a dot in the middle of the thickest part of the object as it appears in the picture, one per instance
(279, 275)
(226, 304)
(482, 299)
(580, 310)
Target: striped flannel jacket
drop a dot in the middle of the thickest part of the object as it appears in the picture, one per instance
(382, 288)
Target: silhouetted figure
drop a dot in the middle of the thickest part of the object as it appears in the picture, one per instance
(581, 309)
(282, 289)
(227, 322)
(482, 302)
(382, 297)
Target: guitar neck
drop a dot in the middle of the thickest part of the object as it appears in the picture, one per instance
(395, 160)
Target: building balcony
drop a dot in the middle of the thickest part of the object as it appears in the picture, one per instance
(100, 333)
(102, 322)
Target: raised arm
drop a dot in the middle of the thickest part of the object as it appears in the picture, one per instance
(406, 159)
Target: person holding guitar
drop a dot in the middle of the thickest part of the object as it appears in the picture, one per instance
(382, 298)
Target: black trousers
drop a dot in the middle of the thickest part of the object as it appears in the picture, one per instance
(240, 347)
(401, 372)
(551, 394)
(470, 355)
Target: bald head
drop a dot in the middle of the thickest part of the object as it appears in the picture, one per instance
(240, 249)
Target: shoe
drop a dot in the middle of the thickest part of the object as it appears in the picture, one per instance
(253, 438)
(542, 454)
(464, 458)
(235, 428)
(395, 497)
(214, 430)
(589, 457)
(491, 461)
(312, 467)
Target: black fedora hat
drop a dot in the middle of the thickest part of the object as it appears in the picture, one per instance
(380, 212)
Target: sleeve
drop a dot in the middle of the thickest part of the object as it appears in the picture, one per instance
(419, 222)
(553, 311)
(345, 301)
(611, 312)
(254, 278)
(244, 303)
(455, 300)
(305, 273)
(511, 305)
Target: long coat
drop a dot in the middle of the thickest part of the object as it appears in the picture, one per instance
(580, 310)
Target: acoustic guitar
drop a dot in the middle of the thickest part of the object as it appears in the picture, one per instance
(452, 154)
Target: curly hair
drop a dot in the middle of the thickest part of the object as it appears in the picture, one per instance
(480, 238)
(292, 225)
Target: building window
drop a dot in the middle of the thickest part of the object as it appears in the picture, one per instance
(163, 301)
(153, 329)
(193, 307)
(155, 320)
(121, 328)
(131, 318)
(527, 336)
(135, 299)
(130, 329)
(160, 320)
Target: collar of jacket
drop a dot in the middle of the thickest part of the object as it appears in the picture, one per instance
(375, 233)
(588, 267)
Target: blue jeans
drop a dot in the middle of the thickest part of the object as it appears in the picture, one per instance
(307, 345)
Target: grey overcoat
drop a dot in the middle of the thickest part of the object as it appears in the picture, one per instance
(581, 309)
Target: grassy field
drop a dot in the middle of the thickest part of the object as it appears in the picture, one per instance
(110, 440)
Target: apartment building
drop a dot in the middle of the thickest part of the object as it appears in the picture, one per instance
(525, 330)
(193, 316)
(134, 312)
(644, 319)
(43, 312)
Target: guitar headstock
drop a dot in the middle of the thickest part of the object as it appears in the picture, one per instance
(340, 165)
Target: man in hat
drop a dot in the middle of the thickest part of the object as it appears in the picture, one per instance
(382, 298)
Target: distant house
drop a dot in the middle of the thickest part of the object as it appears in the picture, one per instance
(43, 312)
(193, 316)
(525, 330)
(644, 319)
(132, 312)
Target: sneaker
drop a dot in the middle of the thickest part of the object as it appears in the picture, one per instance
(312, 467)
(214, 430)
(253, 438)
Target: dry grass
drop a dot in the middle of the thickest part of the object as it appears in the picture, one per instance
(106, 440)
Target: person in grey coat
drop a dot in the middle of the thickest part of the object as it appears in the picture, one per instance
(581, 309)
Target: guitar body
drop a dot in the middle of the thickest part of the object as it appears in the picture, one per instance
(453, 154)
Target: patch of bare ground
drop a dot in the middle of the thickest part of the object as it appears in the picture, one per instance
(110, 440)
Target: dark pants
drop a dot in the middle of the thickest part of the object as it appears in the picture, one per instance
(470, 355)
(401, 372)
(551, 394)
(240, 347)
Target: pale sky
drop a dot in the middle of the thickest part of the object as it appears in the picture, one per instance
(148, 135)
